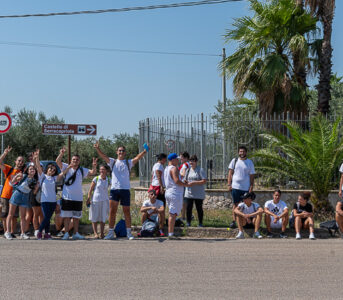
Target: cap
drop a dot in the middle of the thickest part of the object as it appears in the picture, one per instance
(247, 195)
(172, 156)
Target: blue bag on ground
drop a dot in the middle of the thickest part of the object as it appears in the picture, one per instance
(149, 227)
(120, 229)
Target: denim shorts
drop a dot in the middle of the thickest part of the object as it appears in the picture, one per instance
(236, 195)
(20, 199)
(122, 196)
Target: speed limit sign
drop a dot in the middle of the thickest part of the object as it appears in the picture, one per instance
(5, 122)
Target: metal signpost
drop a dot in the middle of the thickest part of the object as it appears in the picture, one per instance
(5, 125)
(69, 130)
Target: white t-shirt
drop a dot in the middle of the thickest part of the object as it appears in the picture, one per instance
(171, 186)
(48, 188)
(245, 209)
(120, 174)
(157, 167)
(74, 191)
(276, 209)
(101, 189)
(157, 204)
(241, 175)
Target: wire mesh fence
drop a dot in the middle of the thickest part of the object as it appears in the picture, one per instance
(214, 141)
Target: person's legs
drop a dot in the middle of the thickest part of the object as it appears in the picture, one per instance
(236, 199)
(297, 225)
(113, 212)
(339, 220)
(37, 217)
(161, 217)
(144, 217)
(257, 222)
(75, 225)
(95, 229)
(4, 212)
(9, 218)
(66, 222)
(184, 209)
(189, 209)
(267, 220)
(28, 219)
(22, 212)
(200, 211)
(127, 216)
(171, 223)
(285, 221)
(240, 222)
(102, 228)
(48, 209)
(309, 224)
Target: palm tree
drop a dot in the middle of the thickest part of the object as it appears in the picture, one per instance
(311, 157)
(263, 62)
(324, 10)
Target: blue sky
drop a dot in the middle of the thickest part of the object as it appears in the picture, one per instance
(116, 90)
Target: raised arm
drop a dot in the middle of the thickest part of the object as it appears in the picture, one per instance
(100, 153)
(138, 157)
(94, 164)
(2, 157)
(37, 162)
(59, 158)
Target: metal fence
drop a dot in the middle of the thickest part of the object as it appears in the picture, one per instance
(204, 136)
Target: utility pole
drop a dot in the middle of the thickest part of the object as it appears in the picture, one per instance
(224, 114)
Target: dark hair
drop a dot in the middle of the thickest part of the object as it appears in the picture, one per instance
(242, 147)
(48, 166)
(305, 195)
(152, 191)
(105, 166)
(185, 154)
(121, 146)
(193, 157)
(27, 171)
(76, 155)
(161, 156)
(277, 191)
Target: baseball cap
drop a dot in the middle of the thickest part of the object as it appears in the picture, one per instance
(172, 156)
(247, 195)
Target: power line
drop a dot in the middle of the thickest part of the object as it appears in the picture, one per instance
(103, 49)
(113, 10)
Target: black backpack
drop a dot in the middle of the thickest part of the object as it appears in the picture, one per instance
(149, 228)
(331, 226)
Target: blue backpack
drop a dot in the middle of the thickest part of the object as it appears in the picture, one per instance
(120, 229)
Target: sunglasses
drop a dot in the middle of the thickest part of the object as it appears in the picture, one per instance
(121, 150)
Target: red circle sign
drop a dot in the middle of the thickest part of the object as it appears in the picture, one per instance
(5, 122)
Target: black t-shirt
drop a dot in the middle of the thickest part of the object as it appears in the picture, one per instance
(300, 209)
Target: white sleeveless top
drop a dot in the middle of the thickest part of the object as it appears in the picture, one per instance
(171, 186)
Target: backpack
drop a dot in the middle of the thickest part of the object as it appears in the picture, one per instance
(9, 172)
(72, 178)
(108, 180)
(149, 227)
(331, 226)
(234, 164)
(120, 229)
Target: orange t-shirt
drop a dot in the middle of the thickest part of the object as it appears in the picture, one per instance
(7, 188)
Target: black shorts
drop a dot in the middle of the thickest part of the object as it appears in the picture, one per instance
(33, 200)
(250, 225)
(122, 196)
(71, 205)
(162, 198)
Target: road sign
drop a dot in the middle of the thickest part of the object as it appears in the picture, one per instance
(5, 122)
(69, 129)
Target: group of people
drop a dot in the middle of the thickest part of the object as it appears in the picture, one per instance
(30, 191)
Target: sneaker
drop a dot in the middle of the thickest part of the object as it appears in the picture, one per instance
(172, 237)
(24, 236)
(39, 235)
(312, 237)
(8, 236)
(200, 225)
(13, 236)
(77, 236)
(240, 235)
(36, 234)
(60, 234)
(130, 237)
(298, 236)
(258, 235)
(47, 236)
(270, 235)
(282, 235)
(233, 225)
(162, 234)
(109, 236)
(66, 236)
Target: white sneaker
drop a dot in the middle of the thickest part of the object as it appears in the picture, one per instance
(258, 235)
(66, 236)
(240, 235)
(77, 236)
(312, 237)
(109, 236)
(130, 237)
(8, 236)
(36, 233)
(24, 236)
(298, 236)
(60, 234)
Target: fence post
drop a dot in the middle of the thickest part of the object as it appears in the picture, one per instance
(203, 145)
(148, 156)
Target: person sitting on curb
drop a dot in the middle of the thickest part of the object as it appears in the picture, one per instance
(276, 215)
(153, 209)
(339, 216)
(303, 215)
(248, 215)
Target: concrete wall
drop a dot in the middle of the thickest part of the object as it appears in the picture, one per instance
(219, 199)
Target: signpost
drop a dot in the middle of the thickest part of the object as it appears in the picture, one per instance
(69, 130)
(5, 125)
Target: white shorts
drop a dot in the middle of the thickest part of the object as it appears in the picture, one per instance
(98, 211)
(71, 214)
(276, 225)
(174, 202)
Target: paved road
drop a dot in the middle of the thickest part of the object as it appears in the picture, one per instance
(163, 269)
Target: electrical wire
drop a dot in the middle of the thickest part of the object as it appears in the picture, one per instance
(102, 49)
(125, 9)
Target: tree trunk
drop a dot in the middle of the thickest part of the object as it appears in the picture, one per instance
(322, 207)
(325, 57)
